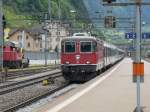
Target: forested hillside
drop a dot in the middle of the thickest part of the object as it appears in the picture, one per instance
(23, 13)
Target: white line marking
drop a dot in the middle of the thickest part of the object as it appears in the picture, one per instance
(78, 95)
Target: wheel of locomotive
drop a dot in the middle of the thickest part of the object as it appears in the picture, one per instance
(103, 69)
(99, 71)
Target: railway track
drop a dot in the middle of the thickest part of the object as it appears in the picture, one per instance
(28, 72)
(36, 98)
(20, 84)
(11, 88)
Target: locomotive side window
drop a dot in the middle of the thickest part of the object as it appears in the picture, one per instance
(69, 47)
(85, 46)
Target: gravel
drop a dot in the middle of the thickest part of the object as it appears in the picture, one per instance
(13, 98)
(46, 100)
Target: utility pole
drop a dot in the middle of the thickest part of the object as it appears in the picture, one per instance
(58, 25)
(45, 48)
(46, 30)
(47, 17)
(138, 50)
(1, 35)
(22, 39)
(49, 9)
(59, 10)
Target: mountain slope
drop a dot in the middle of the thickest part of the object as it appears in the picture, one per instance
(21, 13)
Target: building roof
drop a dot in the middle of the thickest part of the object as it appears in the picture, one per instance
(36, 30)
(32, 31)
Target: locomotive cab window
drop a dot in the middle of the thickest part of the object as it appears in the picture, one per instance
(87, 46)
(69, 47)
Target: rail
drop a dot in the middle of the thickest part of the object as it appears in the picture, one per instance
(17, 85)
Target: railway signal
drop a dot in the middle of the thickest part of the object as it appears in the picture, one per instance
(110, 22)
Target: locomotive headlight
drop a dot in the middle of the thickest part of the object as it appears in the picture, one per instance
(88, 62)
(67, 62)
(77, 57)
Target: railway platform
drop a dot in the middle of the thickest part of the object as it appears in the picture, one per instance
(112, 91)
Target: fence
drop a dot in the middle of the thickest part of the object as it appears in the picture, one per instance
(39, 55)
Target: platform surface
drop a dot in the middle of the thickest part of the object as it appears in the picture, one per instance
(113, 91)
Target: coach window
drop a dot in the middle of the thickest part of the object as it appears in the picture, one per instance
(86, 47)
(69, 47)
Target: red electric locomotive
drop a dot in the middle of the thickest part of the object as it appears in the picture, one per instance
(83, 56)
(12, 55)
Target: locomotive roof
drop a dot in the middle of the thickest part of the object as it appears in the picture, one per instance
(80, 36)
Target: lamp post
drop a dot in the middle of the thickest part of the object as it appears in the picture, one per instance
(58, 34)
(46, 37)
